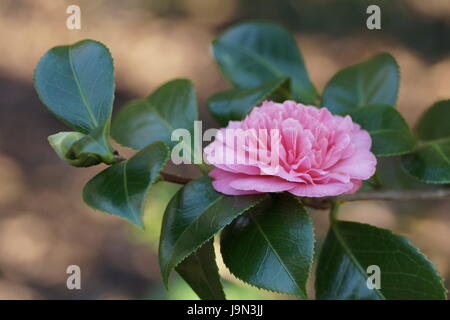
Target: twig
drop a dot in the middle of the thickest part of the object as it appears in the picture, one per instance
(166, 176)
(325, 202)
(402, 195)
(173, 178)
(118, 157)
(385, 195)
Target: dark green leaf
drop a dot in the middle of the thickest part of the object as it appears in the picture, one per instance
(393, 177)
(350, 248)
(121, 188)
(431, 160)
(375, 81)
(200, 271)
(434, 123)
(252, 54)
(95, 144)
(170, 107)
(62, 142)
(389, 131)
(194, 215)
(82, 150)
(271, 246)
(77, 84)
(236, 103)
(429, 163)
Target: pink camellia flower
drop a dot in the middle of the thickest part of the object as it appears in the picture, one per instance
(312, 152)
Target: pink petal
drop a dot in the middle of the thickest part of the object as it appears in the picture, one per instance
(261, 183)
(361, 165)
(322, 190)
(222, 180)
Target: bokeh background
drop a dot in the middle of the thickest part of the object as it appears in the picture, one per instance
(44, 225)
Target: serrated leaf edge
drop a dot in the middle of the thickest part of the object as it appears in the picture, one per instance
(216, 267)
(309, 271)
(416, 249)
(71, 45)
(166, 279)
(362, 62)
(151, 183)
(281, 82)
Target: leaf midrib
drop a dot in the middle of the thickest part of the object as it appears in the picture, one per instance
(203, 273)
(86, 104)
(426, 143)
(438, 149)
(257, 57)
(101, 145)
(278, 256)
(154, 108)
(125, 187)
(171, 260)
(352, 258)
(243, 93)
(167, 124)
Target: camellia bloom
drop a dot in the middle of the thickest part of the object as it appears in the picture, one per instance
(312, 152)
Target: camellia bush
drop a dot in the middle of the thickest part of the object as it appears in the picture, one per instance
(323, 149)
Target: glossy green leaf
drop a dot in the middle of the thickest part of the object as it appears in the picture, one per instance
(62, 142)
(252, 54)
(434, 123)
(95, 144)
(170, 107)
(429, 163)
(200, 271)
(271, 246)
(82, 150)
(77, 84)
(393, 177)
(389, 131)
(121, 189)
(350, 248)
(194, 215)
(236, 103)
(431, 160)
(375, 81)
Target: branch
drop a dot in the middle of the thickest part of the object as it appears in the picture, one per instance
(385, 195)
(166, 176)
(401, 195)
(326, 202)
(173, 178)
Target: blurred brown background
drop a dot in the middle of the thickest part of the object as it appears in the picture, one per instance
(44, 225)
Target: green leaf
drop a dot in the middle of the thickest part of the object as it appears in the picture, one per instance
(200, 271)
(62, 142)
(236, 103)
(252, 54)
(94, 144)
(271, 246)
(393, 177)
(389, 131)
(172, 106)
(431, 160)
(82, 150)
(375, 81)
(77, 84)
(429, 163)
(433, 124)
(350, 248)
(194, 215)
(121, 189)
